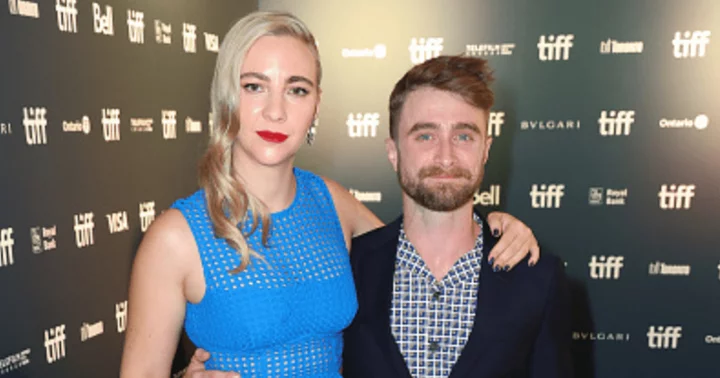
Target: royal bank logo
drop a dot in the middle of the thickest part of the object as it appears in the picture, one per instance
(212, 42)
(555, 47)
(377, 52)
(24, 8)
(141, 125)
(7, 242)
(422, 49)
(192, 126)
(700, 122)
(601, 336)
(189, 38)
(147, 214)
(606, 267)
(121, 316)
(549, 125)
(35, 124)
(676, 196)
(84, 229)
(616, 122)
(80, 126)
(42, 239)
(690, 44)
(55, 343)
(612, 46)
(169, 124)
(664, 337)
(363, 125)
(14, 361)
(495, 123)
(366, 196)
(136, 26)
(66, 15)
(546, 196)
(5, 128)
(111, 124)
(89, 331)
(501, 49)
(163, 33)
(117, 222)
(490, 197)
(660, 268)
(608, 197)
(103, 20)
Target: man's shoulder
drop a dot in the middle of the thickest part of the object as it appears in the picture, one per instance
(374, 240)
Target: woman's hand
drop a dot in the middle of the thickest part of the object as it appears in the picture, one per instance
(516, 241)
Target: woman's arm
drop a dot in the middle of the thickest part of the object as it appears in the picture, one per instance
(157, 297)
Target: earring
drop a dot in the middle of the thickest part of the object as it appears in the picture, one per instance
(310, 137)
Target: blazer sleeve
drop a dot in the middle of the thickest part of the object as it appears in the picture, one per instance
(551, 356)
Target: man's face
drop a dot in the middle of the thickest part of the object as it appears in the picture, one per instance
(441, 149)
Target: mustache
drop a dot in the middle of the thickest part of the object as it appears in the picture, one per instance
(456, 172)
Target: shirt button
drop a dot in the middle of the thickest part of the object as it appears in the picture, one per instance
(436, 296)
(434, 346)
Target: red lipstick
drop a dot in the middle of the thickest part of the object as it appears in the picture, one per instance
(272, 137)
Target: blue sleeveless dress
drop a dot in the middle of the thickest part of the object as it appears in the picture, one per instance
(283, 317)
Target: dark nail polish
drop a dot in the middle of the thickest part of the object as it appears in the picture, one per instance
(492, 260)
(507, 268)
(496, 269)
(531, 264)
(496, 232)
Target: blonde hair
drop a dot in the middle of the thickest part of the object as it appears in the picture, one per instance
(229, 204)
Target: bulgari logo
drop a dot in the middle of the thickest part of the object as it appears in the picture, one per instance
(601, 336)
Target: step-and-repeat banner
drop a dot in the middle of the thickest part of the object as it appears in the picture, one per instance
(607, 143)
(104, 113)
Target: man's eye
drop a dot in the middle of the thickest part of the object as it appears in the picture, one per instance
(424, 137)
(465, 137)
(299, 91)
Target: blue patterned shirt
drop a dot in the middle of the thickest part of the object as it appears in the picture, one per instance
(431, 320)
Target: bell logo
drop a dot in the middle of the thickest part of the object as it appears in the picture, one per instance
(490, 197)
(422, 49)
(606, 268)
(615, 123)
(690, 44)
(664, 337)
(555, 47)
(676, 197)
(546, 196)
(495, 122)
(103, 23)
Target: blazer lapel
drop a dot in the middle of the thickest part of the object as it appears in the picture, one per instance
(384, 256)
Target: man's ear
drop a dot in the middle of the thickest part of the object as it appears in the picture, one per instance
(391, 148)
(486, 153)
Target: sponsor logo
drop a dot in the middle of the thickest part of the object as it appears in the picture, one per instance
(24, 8)
(43, 239)
(662, 269)
(546, 196)
(601, 336)
(616, 122)
(35, 123)
(81, 126)
(676, 197)
(6, 247)
(606, 268)
(66, 15)
(608, 197)
(363, 125)
(136, 26)
(169, 124)
(550, 125)
(612, 46)
(664, 337)
(84, 229)
(212, 42)
(163, 33)
(490, 197)
(14, 361)
(88, 331)
(366, 196)
(709, 339)
(189, 38)
(495, 122)
(690, 44)
(141, 125)
(55, 343)
(111, 124)
(700, 122)
(5, 128)
(502, 49)
(103, 22)
(121, 316)
(555, 47)
(192, 126)
(117, 222)
(377, 52)
(147, 215)
(422, 49)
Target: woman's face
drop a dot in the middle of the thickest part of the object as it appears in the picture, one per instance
(278, 99)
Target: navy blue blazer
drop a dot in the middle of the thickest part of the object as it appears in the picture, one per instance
(522, 322)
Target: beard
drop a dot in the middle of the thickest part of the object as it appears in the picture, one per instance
(443, 196)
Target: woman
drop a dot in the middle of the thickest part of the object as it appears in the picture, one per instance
(255, 264)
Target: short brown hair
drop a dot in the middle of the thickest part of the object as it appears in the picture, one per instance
(465, 76)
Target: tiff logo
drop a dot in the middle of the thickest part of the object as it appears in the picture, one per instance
(189, 38)
(136, 26)
(88, 331)
(147, 214)
(606, 268)
(676, 197)
(169, 124)
(690, 44)
(363, 125)
(103, 23)
(664, 337)
(616, 122)
(546, 196)
(66, 15)
(55, 343)
(121, 316)
(212, 42)
(111, 124)
(84, 229)
(495, 122)
(555, 47)
(117, 222)
(6, 247)
(35, 122)
(24, 8)
(163, 33)
(422, 49)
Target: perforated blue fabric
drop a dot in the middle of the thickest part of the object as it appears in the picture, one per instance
(282, 317)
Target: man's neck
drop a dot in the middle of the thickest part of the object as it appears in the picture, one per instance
(440, 237)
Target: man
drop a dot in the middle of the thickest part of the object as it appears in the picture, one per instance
(428, 304)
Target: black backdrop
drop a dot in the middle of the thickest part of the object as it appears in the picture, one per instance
(638, 258)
